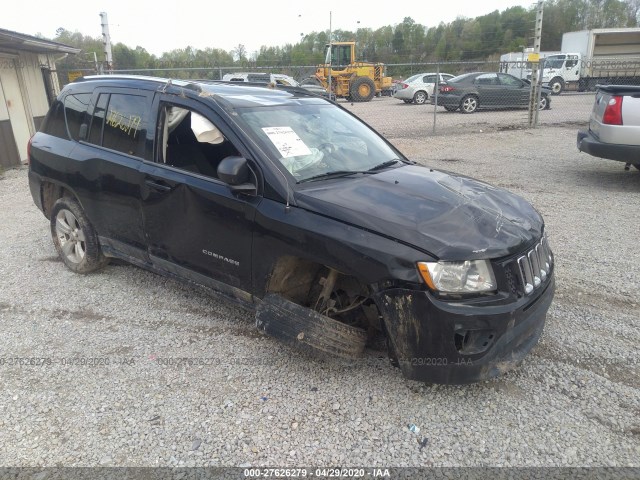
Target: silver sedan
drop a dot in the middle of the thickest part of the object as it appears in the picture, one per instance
(418, 88)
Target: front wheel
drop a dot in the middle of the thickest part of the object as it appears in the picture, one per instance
(74, 238)
(469, 104)
(420, 97)
(362, 89)
(556, 85)
(544, 103)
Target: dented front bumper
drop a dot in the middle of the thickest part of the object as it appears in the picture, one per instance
(461, 342)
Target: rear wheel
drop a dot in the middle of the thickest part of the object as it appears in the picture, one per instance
(420, 97)
(469, 104)
(74, 237)
(362, 89)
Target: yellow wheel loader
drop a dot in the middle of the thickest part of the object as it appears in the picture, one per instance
(350, 79)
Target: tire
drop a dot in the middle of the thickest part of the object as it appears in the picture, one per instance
(307, 329)
(420, 97)
(469, 104)
(450, 109)
(556, 85)
(362, 89)
(74, 237)
(544, 104)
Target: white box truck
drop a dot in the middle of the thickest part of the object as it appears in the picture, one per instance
(517, 63)
(592, 57)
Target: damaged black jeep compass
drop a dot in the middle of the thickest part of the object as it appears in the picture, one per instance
(286, 202)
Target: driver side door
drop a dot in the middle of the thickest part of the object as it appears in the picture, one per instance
(196, 226)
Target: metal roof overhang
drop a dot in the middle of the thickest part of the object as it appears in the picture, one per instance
(14, 42)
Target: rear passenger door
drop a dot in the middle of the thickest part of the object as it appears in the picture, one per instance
(114, 138)
(196, 227)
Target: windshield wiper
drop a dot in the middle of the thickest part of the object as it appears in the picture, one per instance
(386, 164)
(344, 173)
(333, 174)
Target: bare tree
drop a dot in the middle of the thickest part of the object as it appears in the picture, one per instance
(240, 53)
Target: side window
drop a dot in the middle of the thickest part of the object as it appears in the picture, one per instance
(97, 121)
(506, 79)
(54, 123)
(429, 79)
(125, 124)
(190, 141)
(75, 109)
(487, 79)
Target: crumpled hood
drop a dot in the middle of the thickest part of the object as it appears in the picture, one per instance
(450, 216)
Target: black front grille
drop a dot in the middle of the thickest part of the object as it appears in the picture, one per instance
(530, 270)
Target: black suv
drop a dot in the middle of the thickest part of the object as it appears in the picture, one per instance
(286, 202)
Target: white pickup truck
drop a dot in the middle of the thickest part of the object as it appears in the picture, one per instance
(614, 126)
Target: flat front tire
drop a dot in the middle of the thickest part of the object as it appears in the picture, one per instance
(74, 237)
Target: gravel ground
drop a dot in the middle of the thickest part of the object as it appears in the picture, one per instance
(574, 402)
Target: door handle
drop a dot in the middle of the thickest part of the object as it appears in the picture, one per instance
(158, 186)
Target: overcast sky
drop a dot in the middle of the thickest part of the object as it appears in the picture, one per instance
(225, 24)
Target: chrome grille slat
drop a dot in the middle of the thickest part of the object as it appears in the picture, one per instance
(534, 267)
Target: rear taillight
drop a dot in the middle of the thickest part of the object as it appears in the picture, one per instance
(446, 88)
(613, 112)
(404, 85)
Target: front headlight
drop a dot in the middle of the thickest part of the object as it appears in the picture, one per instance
(471, 276)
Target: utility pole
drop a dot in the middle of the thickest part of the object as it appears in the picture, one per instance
(534, 95)
(106, 41)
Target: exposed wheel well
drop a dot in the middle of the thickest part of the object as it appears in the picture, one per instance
(292, 278)
(337, 295)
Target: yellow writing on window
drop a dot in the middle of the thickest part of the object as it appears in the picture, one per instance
(129, 124)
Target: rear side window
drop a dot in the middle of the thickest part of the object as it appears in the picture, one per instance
(119, 122)
(54, 123)
(75, 110)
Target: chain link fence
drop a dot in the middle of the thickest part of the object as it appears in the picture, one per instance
(501, 95)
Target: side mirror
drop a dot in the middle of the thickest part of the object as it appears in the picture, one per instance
(234, 171)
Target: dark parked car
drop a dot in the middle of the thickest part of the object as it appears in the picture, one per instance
(480, 90)
(287, 203)
(614, 126)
